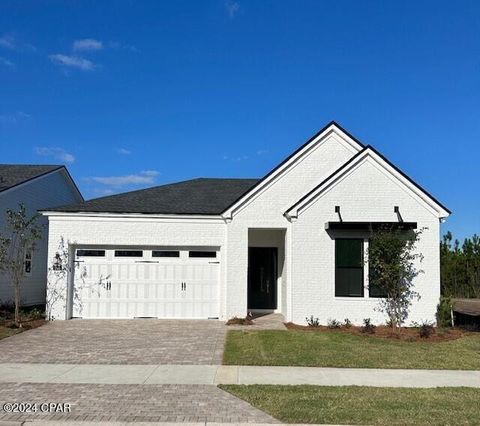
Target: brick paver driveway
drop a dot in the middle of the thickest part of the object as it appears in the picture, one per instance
(132, 403)
(124, 342)
(142, 341)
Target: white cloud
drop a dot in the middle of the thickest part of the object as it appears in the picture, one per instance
(6, 62)
(87, 44)
(11, 43)
(117, 45)
(8, 42)
(103, 191)
(55, 152)
(123, 151)
(238, 158)
(72, 61)
(262, 151)
(232, 8)
(150, 173)
(145, 177)
(14, 118)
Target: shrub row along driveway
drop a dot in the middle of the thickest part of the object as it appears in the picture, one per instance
(139, 341)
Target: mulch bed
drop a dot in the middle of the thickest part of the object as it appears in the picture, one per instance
(239, 321)
(26, 324)
(407, 334)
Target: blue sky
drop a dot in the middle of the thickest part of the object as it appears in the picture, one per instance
(131, 94)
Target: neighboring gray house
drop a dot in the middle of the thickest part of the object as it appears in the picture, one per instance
(37, 187)
(292, 242)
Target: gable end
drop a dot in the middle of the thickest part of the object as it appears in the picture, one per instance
(368, 152)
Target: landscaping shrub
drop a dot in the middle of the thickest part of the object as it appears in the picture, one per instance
(312, 322)
(333, 323)
(347, 323)
(444, 312)
(33, 314)
(368, 327)
(425, 329)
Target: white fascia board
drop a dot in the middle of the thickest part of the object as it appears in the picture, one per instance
(79, 216)
(332, 130)
(384, 167)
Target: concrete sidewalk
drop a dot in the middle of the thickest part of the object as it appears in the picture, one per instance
(80, 423)
(223, 374)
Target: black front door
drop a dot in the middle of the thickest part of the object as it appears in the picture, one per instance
(262, 278)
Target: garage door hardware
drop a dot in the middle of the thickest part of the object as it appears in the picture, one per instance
(184, 286)
(146, 261)
(109, 285)
(214, 262)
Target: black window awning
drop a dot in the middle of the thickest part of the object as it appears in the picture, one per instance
(366, 226)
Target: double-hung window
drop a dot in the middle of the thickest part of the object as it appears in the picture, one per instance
(349, 267)
(27, 262)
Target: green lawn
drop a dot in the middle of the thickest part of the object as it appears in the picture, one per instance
(364, 405)
(7, 332)
(337, 349)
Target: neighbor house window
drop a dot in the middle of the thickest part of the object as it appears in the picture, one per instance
(128, 253)
(165, 253)
(28, 262)
(349, 268)
(57, 262)
(202, 254)
(91, 253)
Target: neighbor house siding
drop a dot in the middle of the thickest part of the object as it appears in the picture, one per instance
(51, 190)
(124, 231)
(367, 194)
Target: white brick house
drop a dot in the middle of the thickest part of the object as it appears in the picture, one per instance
(218, 248)
(37, 187)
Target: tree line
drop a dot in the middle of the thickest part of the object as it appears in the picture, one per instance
(460, 267)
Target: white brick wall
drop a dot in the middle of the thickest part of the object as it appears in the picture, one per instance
(118, 231)
(365, 195)
(266, 211)
(51, 190)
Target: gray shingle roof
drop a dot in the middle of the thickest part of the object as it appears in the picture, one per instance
(15, 174)
(196, 196)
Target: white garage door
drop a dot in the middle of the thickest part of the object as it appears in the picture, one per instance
(136, 283)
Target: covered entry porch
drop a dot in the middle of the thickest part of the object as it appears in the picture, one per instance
(266, 278)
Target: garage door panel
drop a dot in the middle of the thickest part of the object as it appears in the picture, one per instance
(111, 287)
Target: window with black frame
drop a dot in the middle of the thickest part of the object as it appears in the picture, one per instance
(349, 267)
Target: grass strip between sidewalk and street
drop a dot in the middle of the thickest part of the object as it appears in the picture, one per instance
(363, 405)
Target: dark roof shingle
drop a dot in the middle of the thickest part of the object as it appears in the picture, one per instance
(14, 174)
(203, 196)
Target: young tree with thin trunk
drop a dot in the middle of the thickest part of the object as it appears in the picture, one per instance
(17, 245)
(393, 264)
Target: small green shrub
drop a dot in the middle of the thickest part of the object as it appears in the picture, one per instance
(347, 323)
(368, 327)
(425, 329)
(333, 323)
(312, 321)
(33, 314)
(444, 312)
